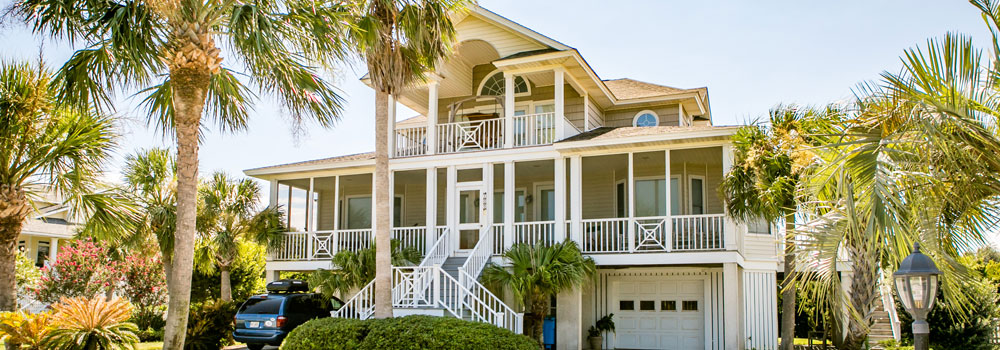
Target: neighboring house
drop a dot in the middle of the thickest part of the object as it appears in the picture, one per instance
(48, 227)
(520, 141)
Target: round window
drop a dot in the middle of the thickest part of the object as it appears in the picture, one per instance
(646, 118)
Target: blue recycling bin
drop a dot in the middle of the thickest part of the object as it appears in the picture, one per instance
(549, 332)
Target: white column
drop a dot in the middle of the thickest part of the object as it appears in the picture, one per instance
(336, 202)
(309, 219)
(576, 198)
(670, 219)
(486, 195)
(432, 116)
(560, 104)
(569, 319)
(431, 205)
(452, 210)
(630, 187)
(681, 116)
(560, 194)
(730, 225)
(271, 276)
(731, 306)
(374, 197)
(273, 196)
(508, 110)
(392, 201)
(509, 205)
(53, 250)
(392, 126)
(586, 111)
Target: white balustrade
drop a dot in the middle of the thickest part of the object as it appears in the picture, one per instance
(440, 251)
(411, 141)
(498, 239)
(410, 237)
(470, 136)
(604, 235)
(318, 245)
(698, 232)
(478, 257)
(294, 246)
(534, 232)
(359, 307)
(487, 307)
(534, 129)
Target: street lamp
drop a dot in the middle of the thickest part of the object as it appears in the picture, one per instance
(917, 284)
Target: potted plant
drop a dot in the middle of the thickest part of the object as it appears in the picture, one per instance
(605, 324)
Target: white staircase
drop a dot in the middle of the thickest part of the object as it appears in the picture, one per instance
(443, 284)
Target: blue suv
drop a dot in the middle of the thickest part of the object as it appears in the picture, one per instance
(267, 319)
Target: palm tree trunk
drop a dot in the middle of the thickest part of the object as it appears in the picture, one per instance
(225, 286)
(14, 208)
(383, 255)
(190, 87)
(787, 289)
(863, 294)
(539, 309)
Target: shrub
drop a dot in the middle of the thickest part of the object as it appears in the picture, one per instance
(26, 274)
(411, 332)
(83, 269)
(246, 276)
(92, 324)
(145, 287)
(151, 335)
(25, 330)
(210, 325)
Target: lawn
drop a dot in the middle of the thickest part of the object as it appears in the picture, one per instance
(150, 346)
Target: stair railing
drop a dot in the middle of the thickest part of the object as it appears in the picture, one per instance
(361, 306)
(488, 307)
(478, 258)
(889, 305)
(440, 251)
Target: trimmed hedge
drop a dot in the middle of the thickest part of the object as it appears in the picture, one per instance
(410, 332)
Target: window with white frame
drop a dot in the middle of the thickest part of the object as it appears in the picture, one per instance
(494, 85)
(646, 118)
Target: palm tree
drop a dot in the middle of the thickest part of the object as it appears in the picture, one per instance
(151, 183)
(169, 51)
(538, 272)
(909, 165)
(229, 219)
(355, 269)
(400, 41)
(768, 167)
(46, 145)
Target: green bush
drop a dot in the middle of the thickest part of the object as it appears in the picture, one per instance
(411, 332)
(210, 325)
(246, 276)
(150, 335)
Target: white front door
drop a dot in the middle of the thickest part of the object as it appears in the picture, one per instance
(471, 206)
(659, 313)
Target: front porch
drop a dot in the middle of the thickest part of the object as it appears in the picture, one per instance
(519, 202)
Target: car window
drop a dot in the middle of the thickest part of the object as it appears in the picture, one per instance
(261, 306)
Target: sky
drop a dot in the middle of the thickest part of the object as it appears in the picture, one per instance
(752, 55)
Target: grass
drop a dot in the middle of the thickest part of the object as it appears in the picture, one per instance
(150, 346)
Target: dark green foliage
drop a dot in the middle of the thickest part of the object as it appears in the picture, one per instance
(151, 335)
(411, 332)
(246, 276)
(948, 329)
(210, 325)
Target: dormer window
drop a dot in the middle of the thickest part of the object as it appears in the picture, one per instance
(494, 85)
(646, 118)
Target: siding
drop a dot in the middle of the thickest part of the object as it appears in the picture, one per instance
(668, 115)
(761, 247)
(596, 116)
(760, 309)
(504, 41)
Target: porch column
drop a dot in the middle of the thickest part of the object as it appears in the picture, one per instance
(730, 227)
(451, 216)
(432, 116)
(560, 104)
(731, 306)
(576, 198)
(309, 219)
(53, 250)
(431, 211)
(670, 220)
(508, 204)
(630, 187)
(374, 217)
(508, 110)
(392, 202)
(560, 194)
(272, 198)
(392, 127)
(271, 276)
(569, 319)
(486, 203)
(335, 246)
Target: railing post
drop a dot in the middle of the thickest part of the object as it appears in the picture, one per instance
(436, 285)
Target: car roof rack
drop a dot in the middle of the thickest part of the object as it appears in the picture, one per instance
(287, 286)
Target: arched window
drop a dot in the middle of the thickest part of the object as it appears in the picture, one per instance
(494, 85)
(646, 118)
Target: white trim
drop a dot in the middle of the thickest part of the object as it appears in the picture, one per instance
(635, 118)
(482, 83)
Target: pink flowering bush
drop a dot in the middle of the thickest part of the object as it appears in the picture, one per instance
(82, 269)
(145, 287)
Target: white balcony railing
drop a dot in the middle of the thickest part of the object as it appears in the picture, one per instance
(534, 129)
(470, 136)
(534, 232)
(411, 237)
(604, 235)
(411, 141)
(699, 232)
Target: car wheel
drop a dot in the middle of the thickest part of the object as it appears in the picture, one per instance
(255, 346)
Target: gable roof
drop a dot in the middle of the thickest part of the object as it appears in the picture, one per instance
(626, 88)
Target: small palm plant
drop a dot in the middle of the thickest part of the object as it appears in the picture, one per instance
(356, 269)
(24, 330)
(92, 324)
(538, 272)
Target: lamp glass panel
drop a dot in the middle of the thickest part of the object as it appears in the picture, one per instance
(903, 289)
(932, 291)
(918, 286)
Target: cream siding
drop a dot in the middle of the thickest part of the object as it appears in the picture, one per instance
(503, 40)
(668, 115)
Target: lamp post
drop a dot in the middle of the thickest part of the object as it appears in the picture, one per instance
(917, 284)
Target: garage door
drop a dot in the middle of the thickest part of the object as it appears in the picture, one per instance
(663, 314)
